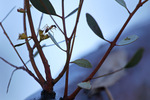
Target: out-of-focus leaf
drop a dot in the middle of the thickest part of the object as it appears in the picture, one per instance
(36, 53)
(128, 40)
(85, 85)
(94, 26)
(122, 3)
(82, 63)
(135, 59)
(55, 42)
(44, 6)
(72, 12)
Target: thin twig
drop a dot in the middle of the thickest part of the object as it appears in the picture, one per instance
(21, 67)
(75, 28)
(65, 33)
(77, 19)
(108, 74)
(10, 79)
(12, 44)
(8, 63)
(8, 14)
(70, 52)
(40, 24)
(52, 17)
(128, 10)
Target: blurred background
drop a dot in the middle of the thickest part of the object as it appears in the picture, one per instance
(109, 15)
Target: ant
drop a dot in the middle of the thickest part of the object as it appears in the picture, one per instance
(49, 28)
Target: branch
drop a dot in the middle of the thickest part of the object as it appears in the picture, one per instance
(113, 44)
(12, 45)
(108, 74)
(17, 68)
(69, 55)
(68, 49)
(8, 14)
(77, 19)
(52, 17)
(9, 63)
(31, 51)
(49, 85)
(11, 79)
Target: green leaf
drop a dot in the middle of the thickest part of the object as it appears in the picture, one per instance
(94, 26)
(135, 59)
(128, 40)
(44, 6)
(72, 12)
(122, 3)
(55, 42)
(85, 85)
(82, 63)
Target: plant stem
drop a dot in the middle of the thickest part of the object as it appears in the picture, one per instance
(63, 18)
(68, 41)
(25, 68)
(68, 50)
(108, 73)
(48, 85)
(112, 44)
(42, 80)
(77, 19)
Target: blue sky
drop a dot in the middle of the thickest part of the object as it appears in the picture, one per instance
(109, 15)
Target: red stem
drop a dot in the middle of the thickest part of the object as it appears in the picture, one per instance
(68, 42)
(68, 49)
(12, 45)
(77, 19)
(48, 85)
(73, 95)
(42, 80)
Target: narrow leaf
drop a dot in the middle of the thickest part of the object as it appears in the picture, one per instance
(55, 42)
(44, 6)
(20, 44)
(128, 40)
(122, 3)
(36, 53)
(94, 26)
(82, 63)
(85, 85)
(17, 45)
(135, 59)
(72, 12)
